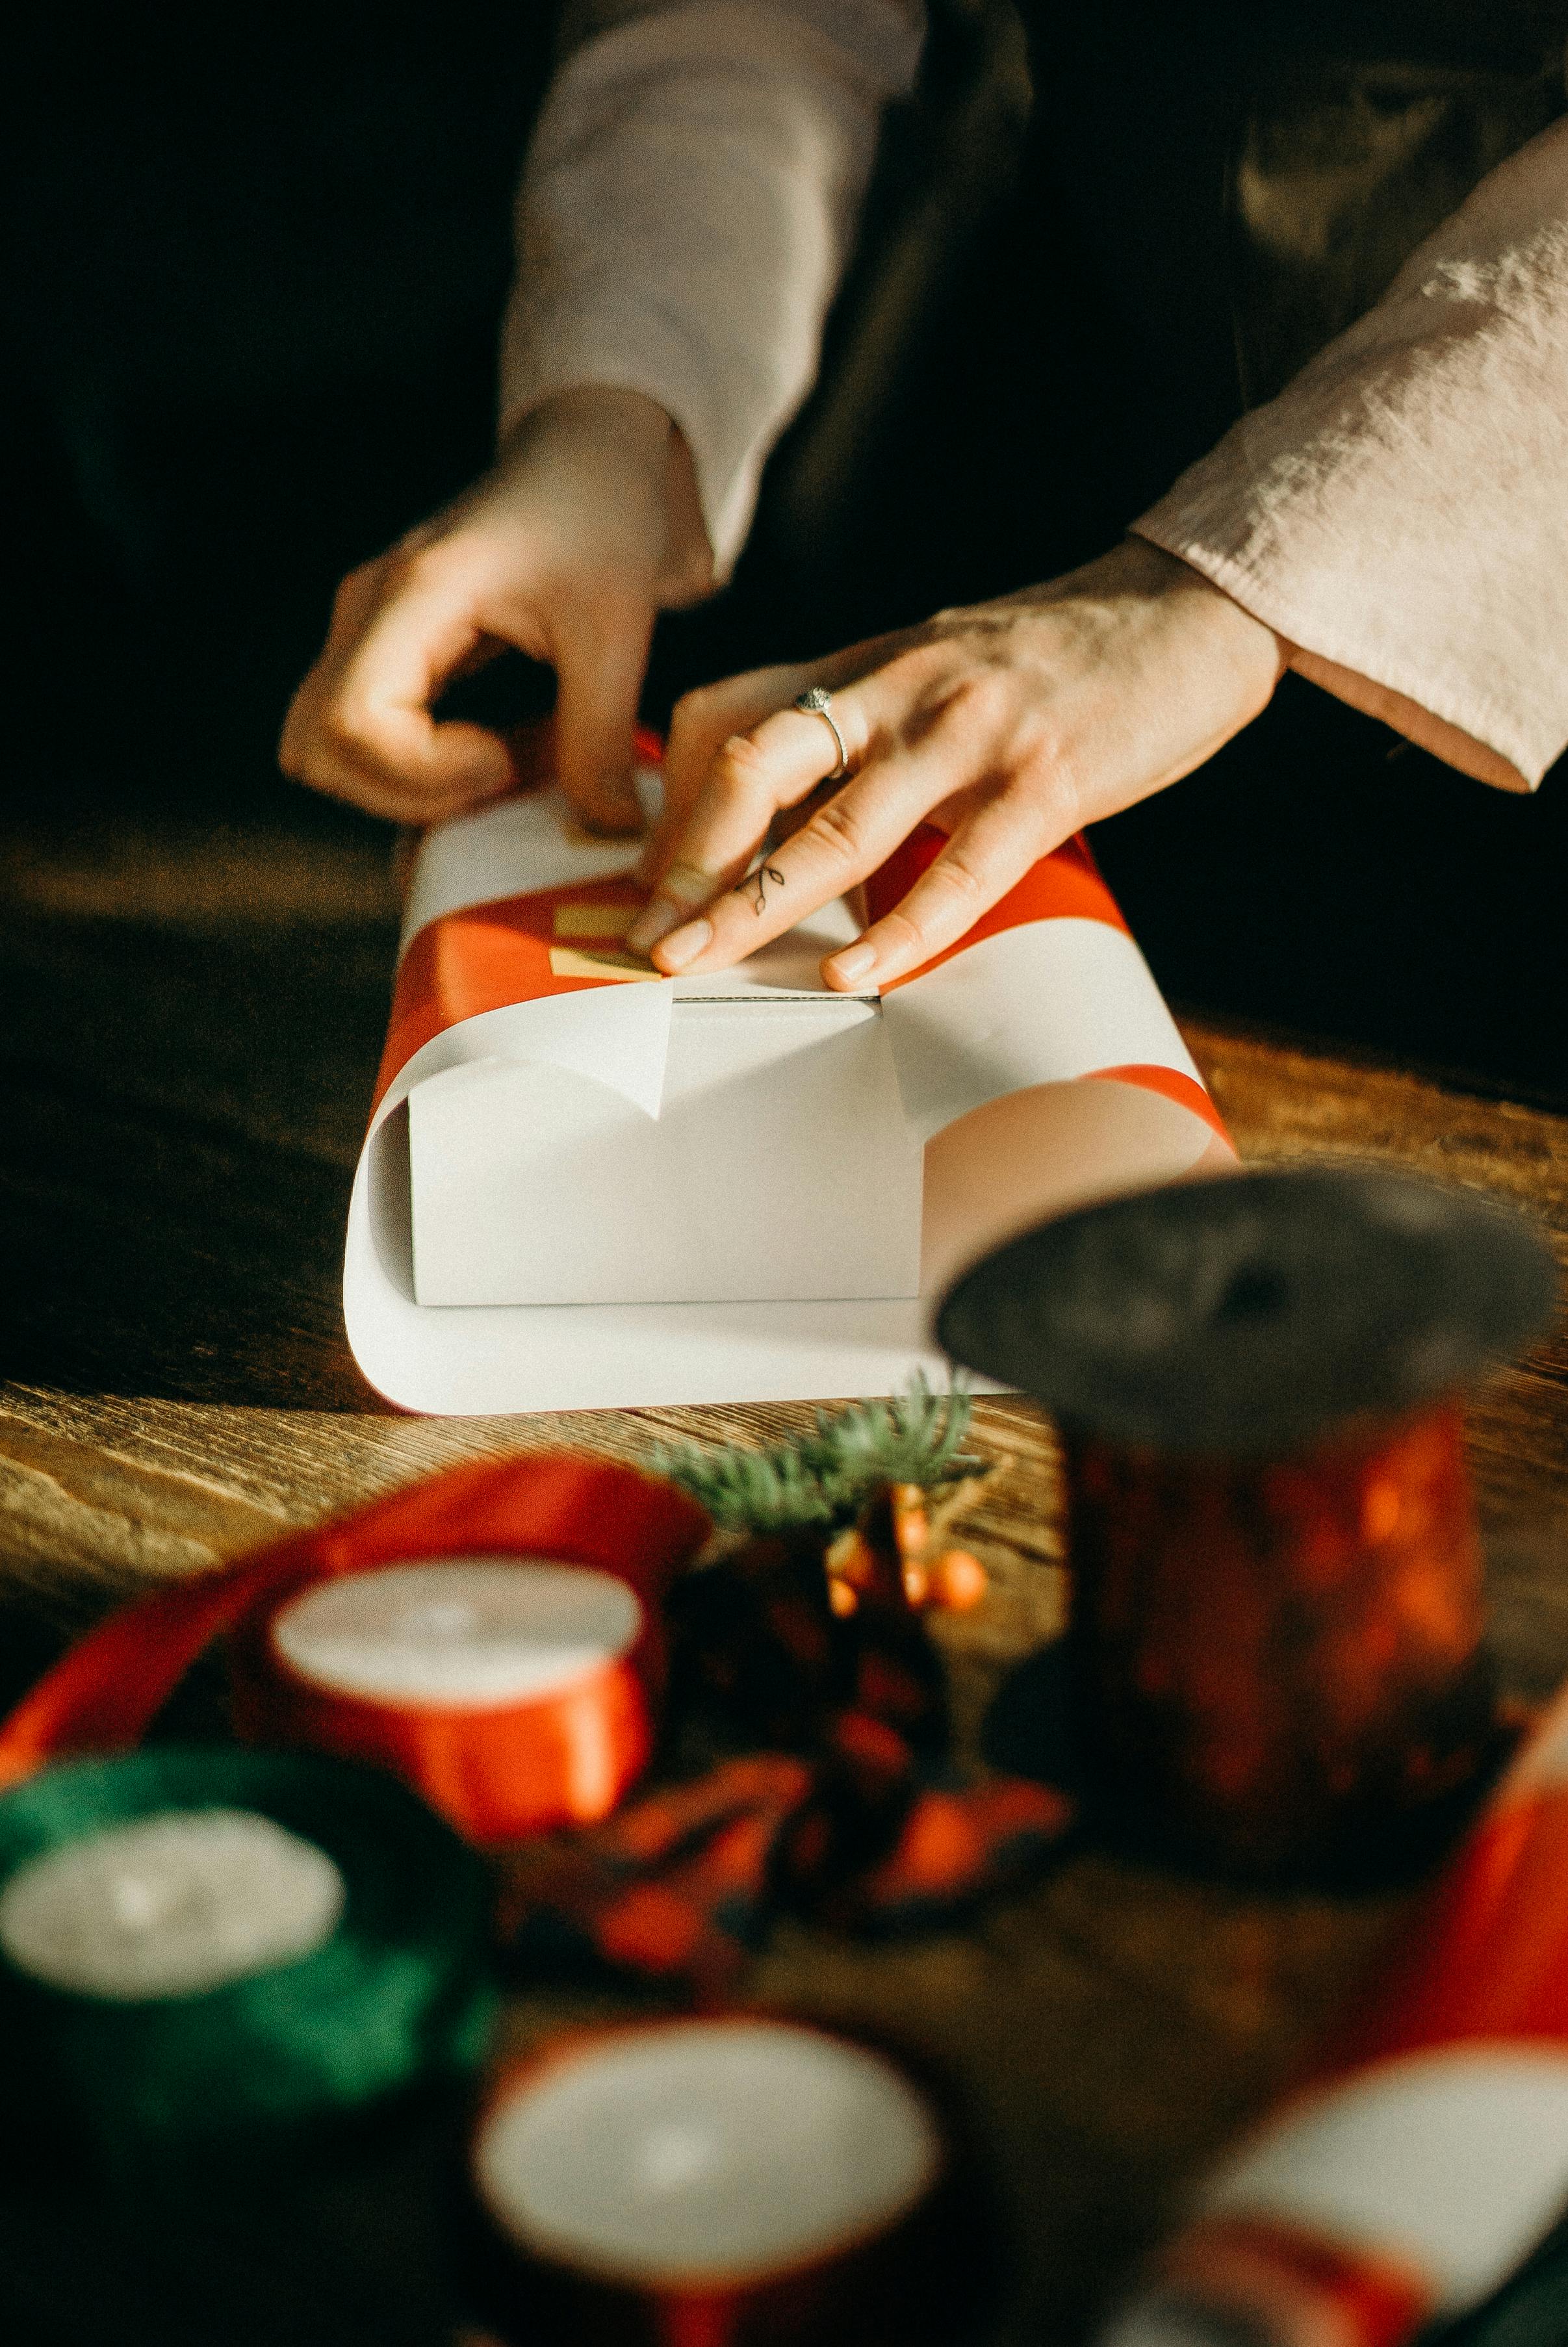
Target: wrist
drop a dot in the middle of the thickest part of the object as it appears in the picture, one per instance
(1251, 641)
(601, 417)
(627, 438)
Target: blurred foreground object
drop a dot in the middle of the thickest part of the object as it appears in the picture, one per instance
(206, 1953)
(721, 2183)
(1277, 1623)
(1426, 2153)
(490, 1635)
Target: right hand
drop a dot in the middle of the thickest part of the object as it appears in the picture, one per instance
(586, 527)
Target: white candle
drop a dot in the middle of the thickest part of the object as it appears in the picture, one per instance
(170, 1905)
(708, 2153)
(474, 1634)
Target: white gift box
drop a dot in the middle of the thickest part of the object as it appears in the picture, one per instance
(778, 1163)
(736, 1187)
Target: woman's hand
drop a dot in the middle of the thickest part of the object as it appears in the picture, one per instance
(1008, 726)
(586, 527)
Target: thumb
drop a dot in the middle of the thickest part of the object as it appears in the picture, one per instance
(599, 684)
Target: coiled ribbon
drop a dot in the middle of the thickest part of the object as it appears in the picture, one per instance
(1424, 2154)
(716, 2183)
(497, 1770)
(393, 1988)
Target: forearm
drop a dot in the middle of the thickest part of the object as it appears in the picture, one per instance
(1399, 514)
(685, 213)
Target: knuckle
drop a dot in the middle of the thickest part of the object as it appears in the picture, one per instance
(740, 769)
(697, 726)
(429, 570)
(835, 829)
(982, 697)
(958, 879)
(354, 586)
(917, 669)
(693, 710)
(344, 724)
(902, 934)
(1055, 793)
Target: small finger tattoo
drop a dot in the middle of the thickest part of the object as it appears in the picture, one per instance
(758, 881)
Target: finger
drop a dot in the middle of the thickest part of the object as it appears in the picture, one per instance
(987, 856)
(714, 844)
(398, 803)
(704, 720)
(701, 723)
(600, 674)
(846, 839)
(363, 716)
(779, 762)
(419, 800)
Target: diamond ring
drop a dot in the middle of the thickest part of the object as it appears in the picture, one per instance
(816, 702)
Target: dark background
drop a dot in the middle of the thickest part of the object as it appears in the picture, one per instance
(253, 274)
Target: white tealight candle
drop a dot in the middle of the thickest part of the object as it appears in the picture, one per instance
(475, 1635)
(707, 2153)
(170, 1905)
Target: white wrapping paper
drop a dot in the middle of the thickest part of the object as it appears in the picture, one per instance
(991, 1045)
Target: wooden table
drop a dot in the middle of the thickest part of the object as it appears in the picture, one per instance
(195, 1008)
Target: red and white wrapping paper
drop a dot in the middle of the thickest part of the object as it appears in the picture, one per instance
(1426, 2154)
(991, 1042)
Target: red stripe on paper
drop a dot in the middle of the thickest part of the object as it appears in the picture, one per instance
(1064, 885)
(487, 958)
(1298, 2289)
(1172, 1084)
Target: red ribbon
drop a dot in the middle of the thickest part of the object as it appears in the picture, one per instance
(496, 1773)
(904, 2279)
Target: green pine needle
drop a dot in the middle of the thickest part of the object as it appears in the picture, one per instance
(822, 1480)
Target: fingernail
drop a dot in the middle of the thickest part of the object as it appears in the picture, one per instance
(688, 884)
(656, 920)
(852, 963)
(612, 823)
(683, 889)
(675, 952)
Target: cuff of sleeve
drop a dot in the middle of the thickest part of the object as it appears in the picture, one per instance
(656, 364)
(1363, 639)
(1475, 744)
(684, 216)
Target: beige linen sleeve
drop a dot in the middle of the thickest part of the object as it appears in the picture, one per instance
(1399, 513)
(686, 210)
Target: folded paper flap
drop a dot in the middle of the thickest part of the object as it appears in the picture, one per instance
(550, 939)
(617, 1036)
(500, 955)
(554, 1097)
(1043, 1003)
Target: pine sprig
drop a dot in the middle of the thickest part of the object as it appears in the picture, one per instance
(822, 1480)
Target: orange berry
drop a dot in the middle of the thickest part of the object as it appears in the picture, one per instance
(958, 1581)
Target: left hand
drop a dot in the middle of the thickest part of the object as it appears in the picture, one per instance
(1009, 725)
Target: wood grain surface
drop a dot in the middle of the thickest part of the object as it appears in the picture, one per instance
(194, 1010)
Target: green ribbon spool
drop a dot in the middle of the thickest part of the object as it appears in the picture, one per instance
(396, 1993)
